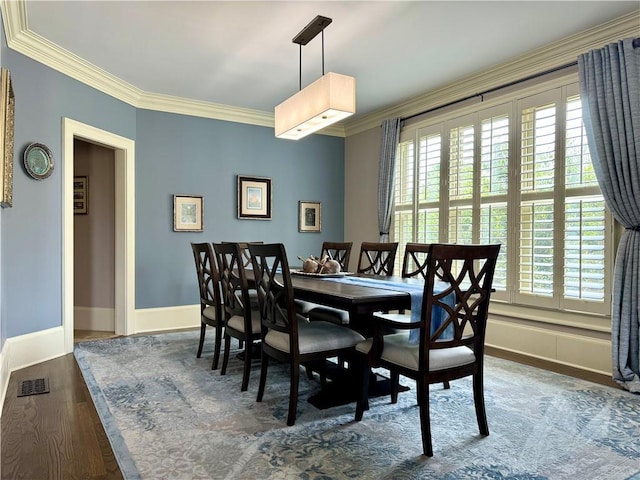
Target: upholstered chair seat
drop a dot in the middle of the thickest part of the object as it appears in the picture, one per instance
(315, 337)
(237, 322)
(399, 351)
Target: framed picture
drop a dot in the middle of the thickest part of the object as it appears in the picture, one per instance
(7, 113)
(80, 195)
(254, 198)
(188, 213)
(309, 216)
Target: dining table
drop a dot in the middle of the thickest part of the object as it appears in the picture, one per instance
(361, 300)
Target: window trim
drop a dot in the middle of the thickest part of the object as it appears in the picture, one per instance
(441, 122)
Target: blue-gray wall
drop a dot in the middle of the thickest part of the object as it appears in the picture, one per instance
(190, 155)
(174, 154)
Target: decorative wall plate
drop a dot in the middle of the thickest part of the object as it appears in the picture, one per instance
(38, 161)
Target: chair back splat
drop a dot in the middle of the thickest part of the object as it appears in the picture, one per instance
(286, 336)
(452, 326)
(339, 251)
(210, 298)
(241, 321)
(244, 248)
(414, 262)
(377, 258)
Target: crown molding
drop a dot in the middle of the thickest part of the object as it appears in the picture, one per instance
(38, 48)
(548, 57)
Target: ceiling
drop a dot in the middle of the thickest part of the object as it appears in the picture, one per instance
(240, 53)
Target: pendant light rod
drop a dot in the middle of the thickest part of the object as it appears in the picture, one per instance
(300, 66)
(307, 34)
(323, 52)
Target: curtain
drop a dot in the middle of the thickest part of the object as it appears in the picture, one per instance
(390, 136)
(610, 89)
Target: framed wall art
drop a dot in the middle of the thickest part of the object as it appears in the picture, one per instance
(7, 113)
(188, 213)
(254, 198)
(80, 195)
(309, 216)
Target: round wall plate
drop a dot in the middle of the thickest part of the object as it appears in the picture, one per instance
(38, 161)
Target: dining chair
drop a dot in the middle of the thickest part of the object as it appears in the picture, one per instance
(414, 264)
(241, 320)
(464, 274)
(287, 336)
(341, 252)
(377, 258)
(210, 298)
(246, 261)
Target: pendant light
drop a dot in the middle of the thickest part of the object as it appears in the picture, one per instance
(324, 102)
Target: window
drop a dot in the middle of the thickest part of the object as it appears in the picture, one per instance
(516, 173)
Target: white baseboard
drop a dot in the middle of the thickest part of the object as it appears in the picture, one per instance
(91, 318)
(4, 376)
(26, 350)
(167, 318)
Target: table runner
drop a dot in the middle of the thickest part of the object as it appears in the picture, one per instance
(416, 291)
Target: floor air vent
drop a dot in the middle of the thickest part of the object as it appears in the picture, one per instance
(33, 387)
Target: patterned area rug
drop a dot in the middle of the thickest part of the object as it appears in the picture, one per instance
(168, 416)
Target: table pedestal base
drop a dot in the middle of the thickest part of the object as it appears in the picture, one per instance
(341, 389)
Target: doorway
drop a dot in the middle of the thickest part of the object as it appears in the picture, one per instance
(93, 240)
(124, 226)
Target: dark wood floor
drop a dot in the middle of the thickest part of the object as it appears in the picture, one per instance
(56, 435)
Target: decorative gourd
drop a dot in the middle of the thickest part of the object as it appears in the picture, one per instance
(315, 265)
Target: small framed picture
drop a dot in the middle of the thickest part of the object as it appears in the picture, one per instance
(188, 213)
(254, 198)
(309, 216)
(80, 195)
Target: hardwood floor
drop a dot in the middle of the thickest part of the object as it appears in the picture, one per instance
(56, 435)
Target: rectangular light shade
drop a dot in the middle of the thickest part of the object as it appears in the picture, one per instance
(326, 101)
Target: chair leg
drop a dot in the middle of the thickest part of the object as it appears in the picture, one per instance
(309, 371)
(246, 371)
(225, 355)
(425, 422)
(478, 400)
(203, 327)
(263, 376)
(446, 385)
(217, 347)
(395, 385)
(363, 397)
(293, 393)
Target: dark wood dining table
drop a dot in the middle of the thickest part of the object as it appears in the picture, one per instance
(361, 302)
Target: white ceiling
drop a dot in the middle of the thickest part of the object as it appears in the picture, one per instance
(240, 53)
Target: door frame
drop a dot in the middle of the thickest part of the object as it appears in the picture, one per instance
(124, 150)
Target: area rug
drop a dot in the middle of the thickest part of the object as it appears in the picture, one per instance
(169, 416)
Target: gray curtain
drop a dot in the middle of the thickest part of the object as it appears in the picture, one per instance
(390, 136)
(610, 89)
